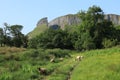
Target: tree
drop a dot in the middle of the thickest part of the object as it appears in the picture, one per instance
(6, 37)
(33, 43)
(11, 35)
(15, 30)
(94, 28)
(52, 39)
(1, 36)
(18, 38)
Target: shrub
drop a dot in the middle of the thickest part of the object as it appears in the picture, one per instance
(107, 43)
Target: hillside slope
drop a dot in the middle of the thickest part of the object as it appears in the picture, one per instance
(42, 25)
(97, 65)
(37, 31)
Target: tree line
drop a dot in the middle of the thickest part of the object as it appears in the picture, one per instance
(94, 32)
(11, 35)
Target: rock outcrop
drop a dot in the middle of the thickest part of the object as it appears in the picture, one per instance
(43, 21)
(65, 20)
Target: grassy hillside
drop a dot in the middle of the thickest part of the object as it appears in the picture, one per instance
(101, 64)
(37, 31)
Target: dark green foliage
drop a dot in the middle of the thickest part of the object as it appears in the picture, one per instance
(58, 53)
(12, 36)
(1, 36)
(18, 38)
(93, 29)
(33, 43)
(107, 43)
(51, 39)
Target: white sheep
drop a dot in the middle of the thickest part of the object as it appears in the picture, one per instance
(61, 59)
(78, 58)
(52, 60)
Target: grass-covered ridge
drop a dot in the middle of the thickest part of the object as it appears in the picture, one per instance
(101, 64)
(37, 31)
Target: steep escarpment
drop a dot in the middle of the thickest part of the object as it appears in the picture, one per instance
(114, 18)
(74, 19)
(62, 21)
(70, 19)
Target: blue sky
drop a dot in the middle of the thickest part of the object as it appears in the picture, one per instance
(28, 12)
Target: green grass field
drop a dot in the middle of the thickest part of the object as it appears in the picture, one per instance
(99, 65)
(22, 64)
(37, 31)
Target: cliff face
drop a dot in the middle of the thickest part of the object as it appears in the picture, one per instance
(73, 19)
(65, 20)
(114, 18)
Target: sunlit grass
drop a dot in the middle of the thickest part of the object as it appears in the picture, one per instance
(37, 31)
(99, 65)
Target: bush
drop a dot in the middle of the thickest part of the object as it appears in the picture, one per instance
(107, 43)
(37, 54)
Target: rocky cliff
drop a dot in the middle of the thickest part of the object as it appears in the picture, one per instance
(71, 19)
(65, 20)
(114, 18)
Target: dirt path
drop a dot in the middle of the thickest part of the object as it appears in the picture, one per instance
(69, 63)
(54, 71)
(70, 73)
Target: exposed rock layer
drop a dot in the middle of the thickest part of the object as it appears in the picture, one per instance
(114, 18)
(65, 20)
(73, 19)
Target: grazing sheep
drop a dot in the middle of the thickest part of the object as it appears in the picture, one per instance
(61, 59)
(78, 58)
(52, 60)
(42, 71)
